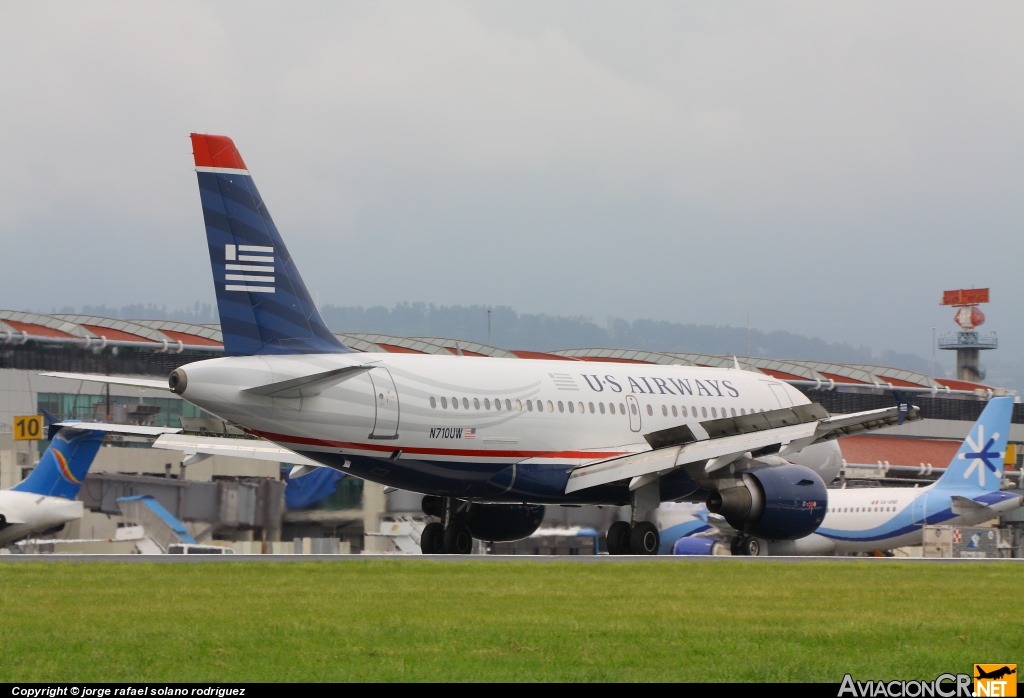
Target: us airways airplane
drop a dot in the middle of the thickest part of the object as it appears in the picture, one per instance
(489, 441)
(880, 518)
(46, 498)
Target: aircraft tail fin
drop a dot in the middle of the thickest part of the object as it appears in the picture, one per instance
(263, 304)
(63, 467)
(979, 462)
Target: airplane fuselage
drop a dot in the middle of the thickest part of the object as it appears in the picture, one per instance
(490, 429)
(27, 513)
(868, 519)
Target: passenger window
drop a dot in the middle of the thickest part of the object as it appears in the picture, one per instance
(714, 413)
(487, 403)
(572, 408)
(592, 408)
(601, 405)
(675, 412)
(433, 402)
(704, 412)
(465, 402)
(508, 405)
(650, 411)
(455, 403)
(497, 405)
(540, 406)
(682, 410)
(579, 406)
(733, 410)
(529, 405)
(476, 403)
(551, 408)
(519, 405)
(622, 408)
(560, 407)
(743, 411)
(444, 403)
(664, 411)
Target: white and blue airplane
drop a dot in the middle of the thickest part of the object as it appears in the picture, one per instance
(490, 441)
(881, 518)
(46, 498)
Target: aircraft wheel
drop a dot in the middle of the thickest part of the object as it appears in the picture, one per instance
(752, 546)
(644, 539)
(457, 539)
(736, 545)
(618, 538)
(432, 539)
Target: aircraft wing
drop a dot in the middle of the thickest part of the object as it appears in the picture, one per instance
(705, 447)
(258, 449)
(156, 383)
(119, 428)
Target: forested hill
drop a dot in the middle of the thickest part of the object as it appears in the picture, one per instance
(512, 330)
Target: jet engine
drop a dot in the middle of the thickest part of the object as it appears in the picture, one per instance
(499, 522)
(783, 502)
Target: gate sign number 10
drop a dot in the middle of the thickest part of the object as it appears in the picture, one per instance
(28, 428)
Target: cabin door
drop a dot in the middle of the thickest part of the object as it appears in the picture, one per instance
(385, 399)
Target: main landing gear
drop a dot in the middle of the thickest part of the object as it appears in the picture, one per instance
(641, 538)
(745, 545)
(452, 536)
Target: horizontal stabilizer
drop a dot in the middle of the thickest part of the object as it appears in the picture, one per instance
(963, 505)
(308, 386)
(156, 383)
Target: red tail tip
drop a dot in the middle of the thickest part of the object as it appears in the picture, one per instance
(216, 151)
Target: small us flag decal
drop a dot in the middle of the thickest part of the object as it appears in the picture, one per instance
(469, 433)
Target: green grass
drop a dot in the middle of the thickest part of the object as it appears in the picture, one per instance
(422, 620)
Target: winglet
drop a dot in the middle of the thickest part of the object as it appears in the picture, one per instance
(216, 151)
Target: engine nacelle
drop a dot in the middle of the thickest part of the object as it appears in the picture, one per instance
(783, 502)
(501, 522)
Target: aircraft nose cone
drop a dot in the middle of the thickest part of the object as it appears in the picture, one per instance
(178, 381)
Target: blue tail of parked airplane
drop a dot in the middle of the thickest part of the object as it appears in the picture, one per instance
(63, 467)
(979, 462)
(263, 304)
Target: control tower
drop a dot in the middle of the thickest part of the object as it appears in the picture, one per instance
(968, 342)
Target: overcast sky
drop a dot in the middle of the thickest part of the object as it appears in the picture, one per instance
(827, 168)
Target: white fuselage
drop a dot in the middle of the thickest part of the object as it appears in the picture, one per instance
(464, 418)
(882, 518)
(28, 513)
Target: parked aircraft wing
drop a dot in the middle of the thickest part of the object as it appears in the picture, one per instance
(716, 452)
(719, 442)
(119, 428)
(258, 449)
(847, 424)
